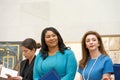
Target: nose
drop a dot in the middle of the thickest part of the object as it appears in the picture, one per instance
(91, 41)
(51, 37)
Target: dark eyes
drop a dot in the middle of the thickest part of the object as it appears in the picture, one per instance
(88, 40)
(48, 36)
(26, 51)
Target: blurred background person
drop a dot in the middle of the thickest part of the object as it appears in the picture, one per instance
(29, 47)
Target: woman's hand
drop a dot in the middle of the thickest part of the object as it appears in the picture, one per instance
(107, 77)
(15, 78)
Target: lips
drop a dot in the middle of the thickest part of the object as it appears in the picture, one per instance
(52, 42)
(92, 46)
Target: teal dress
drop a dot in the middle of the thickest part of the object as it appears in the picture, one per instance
(64, 64)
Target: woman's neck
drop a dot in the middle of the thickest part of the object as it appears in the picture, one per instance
(30, 60)
(94, 54)
(52, 51)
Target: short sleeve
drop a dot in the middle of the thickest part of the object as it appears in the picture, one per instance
(108, 66)
(80, 70)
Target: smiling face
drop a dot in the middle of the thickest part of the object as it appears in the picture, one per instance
(92, 42)
(51, 39)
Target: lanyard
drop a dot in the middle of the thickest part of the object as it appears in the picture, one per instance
(90, 69)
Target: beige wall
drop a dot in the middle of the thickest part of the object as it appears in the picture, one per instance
(20, 19)
(26, 18)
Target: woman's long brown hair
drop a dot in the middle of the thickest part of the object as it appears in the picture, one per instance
(85, 52)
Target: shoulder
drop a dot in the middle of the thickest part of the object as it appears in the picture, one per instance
(105, 58)
(38, 56)
(68, 51)
(23, 62)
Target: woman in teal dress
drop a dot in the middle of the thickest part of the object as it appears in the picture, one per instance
(54, 54)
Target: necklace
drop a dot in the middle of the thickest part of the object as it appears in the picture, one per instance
(90, 69)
